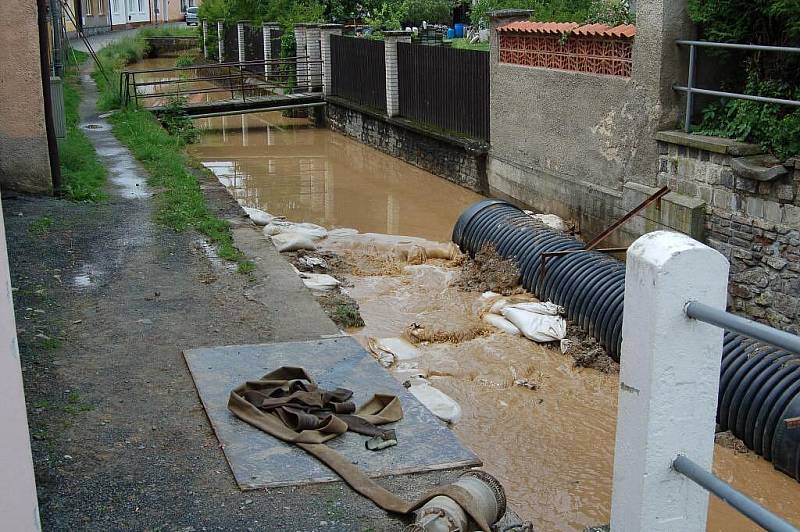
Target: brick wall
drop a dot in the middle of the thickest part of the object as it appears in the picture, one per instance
(755, 224)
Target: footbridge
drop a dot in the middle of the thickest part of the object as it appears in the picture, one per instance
(217, 89)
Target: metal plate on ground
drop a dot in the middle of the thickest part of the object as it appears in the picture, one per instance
(259, 460)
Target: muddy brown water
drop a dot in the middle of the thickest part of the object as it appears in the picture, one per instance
(551, 447)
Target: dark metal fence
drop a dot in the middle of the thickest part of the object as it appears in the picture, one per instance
(254, 47)
(231, 43)
(358, 71)
(275, 43)
(445, 87)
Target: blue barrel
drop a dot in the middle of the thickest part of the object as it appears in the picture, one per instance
(459, 30)
(450, 33)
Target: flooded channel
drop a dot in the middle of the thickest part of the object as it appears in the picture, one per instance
(552, 446)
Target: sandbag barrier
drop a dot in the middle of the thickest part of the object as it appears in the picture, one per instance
(759, 392)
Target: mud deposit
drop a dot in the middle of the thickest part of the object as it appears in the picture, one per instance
(541, 423)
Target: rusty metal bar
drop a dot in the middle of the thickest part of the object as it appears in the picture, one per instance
(663, 191)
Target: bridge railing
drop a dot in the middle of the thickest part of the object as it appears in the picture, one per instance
(672, 351)
(236, 78)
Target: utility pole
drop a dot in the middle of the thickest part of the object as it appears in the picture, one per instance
(58, 33)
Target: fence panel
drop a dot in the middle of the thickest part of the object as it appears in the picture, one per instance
(254, 47)
(231, 36)
(358, 71)
(445, 87)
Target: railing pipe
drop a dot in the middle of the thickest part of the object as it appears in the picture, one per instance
(737, 46)
(744, 326)
(747, 506)
(687, 126)
(762, 99)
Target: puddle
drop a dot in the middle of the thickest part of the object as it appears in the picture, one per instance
(86, 277)
(217, 263)
(97, 127)
(552, 447)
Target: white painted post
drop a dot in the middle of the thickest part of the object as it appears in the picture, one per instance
(390, 40)
(314, 56)
(301, 64)
(268, 28)
(205, 39)
(668, 383)
(221, 40)
(19, 509)
(240, 40)
(326, 30)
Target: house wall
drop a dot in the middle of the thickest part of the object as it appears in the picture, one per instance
(24, 159)
(567, 142)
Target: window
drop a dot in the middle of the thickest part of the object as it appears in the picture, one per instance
(183, 6)
(100, 7)
(87, 8)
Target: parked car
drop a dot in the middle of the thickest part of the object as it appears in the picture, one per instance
(191, 16)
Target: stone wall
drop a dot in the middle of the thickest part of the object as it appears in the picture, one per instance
(24, 157)
(755, 224)
(456, 160)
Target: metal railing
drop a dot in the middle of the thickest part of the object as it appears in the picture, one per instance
(683, 465)
(213, 78)
(691, 90)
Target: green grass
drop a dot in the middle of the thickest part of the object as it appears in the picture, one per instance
(40, 226)
(464, 44)
(83, 175)
(181, 204)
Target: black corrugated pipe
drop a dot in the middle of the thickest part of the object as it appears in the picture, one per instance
(759, 391)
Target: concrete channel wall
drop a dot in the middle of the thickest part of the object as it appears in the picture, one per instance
(24, 159)
(457, 160)
(567, 142)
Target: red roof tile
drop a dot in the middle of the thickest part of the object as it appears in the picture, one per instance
(623, 30)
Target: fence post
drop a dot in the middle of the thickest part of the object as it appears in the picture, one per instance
(390, 40)
(268, 27)
(326, 30)
(205, 39)
(668, 382)
(240, 39)
(221, 40)
(301, 64)
(314, 56)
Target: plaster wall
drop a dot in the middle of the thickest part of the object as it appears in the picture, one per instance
(567, 142)
(24, 159)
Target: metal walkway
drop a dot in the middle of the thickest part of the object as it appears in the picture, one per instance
(253, 104)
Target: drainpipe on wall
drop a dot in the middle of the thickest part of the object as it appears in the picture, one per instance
(44, 66)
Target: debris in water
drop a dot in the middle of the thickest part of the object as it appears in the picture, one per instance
(389, 351)
(587, 352)
(417, 333)
(488, 271)
(729, 441)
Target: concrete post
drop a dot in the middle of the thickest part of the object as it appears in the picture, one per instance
(668, 382)
(19, 509)
(221, 40)
(326, 30)
(301, 65)
(314, 56)
(240, 40)
(390, 40)
(205, 39)
(267, 28)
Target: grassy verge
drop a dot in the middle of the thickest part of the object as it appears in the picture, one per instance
(181, 204)
(82, 173)
(464, 44)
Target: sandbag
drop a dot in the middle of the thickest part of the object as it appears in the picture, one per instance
(258, 216)
(438, 402)
(293, 242)
(318, 281)
(313, 231)
(271, 230)
(535, 326)
(548, 309)
(392, 350)
(501, 323)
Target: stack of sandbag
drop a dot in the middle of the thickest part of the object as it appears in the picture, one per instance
(540, 322)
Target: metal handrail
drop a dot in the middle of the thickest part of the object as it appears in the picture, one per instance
(741, 502)
(738, 324)
(691, 90)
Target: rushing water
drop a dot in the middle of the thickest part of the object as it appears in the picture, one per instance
(551, 447)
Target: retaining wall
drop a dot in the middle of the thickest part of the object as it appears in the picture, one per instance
(458, 160)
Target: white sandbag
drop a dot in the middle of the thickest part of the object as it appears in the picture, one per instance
(435, 400)
(293, 242)
(548, 309)
(342, 231)
(489, 295)
(501, 323)
(258, 216)
(537, 327)
(271, 230)
(403, 374)
(402, 349)
(319, 281)
(311, 230)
